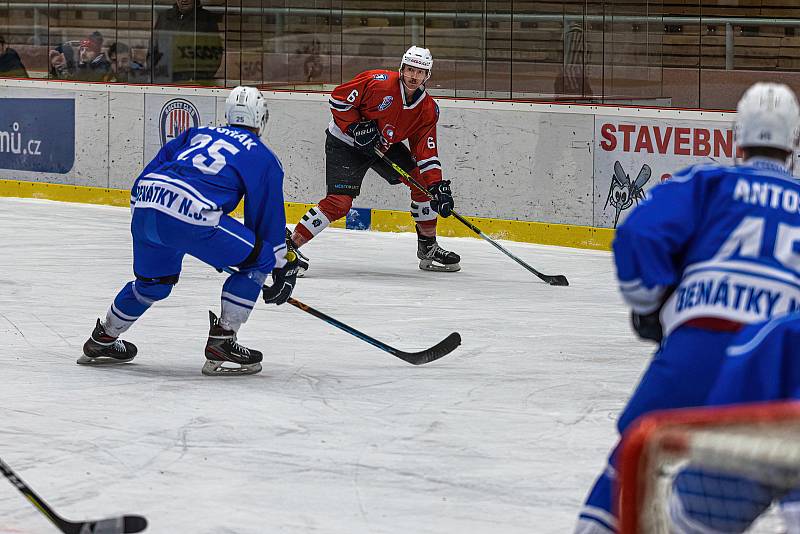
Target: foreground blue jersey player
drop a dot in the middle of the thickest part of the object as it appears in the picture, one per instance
(180, 205)
(761, 364)
(712, 250)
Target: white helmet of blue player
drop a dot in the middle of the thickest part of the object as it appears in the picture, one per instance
(246, 106)
(768, 116)
(418, 57)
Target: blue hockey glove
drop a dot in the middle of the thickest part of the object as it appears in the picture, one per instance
(365, 135)
(442, 202)
(283, 281)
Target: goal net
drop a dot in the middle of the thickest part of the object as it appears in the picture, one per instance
(712, 470)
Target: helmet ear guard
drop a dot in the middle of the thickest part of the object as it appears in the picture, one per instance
(246, 106)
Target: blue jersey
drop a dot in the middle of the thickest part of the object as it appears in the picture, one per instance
(204, 173)
(727, 239)
(761, 364)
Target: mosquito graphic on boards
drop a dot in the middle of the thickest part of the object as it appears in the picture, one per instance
(623, 193)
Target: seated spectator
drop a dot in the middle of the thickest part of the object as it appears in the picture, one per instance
(10, 64)
(93, 64)
(123, 68)
(62, 62)
(187, 46)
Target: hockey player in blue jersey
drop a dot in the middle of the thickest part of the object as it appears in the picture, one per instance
(761, 364)
(180, 205)
(711, 250)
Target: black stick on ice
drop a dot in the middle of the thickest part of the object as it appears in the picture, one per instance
(114, 525)
(552, 279)
(443, 348)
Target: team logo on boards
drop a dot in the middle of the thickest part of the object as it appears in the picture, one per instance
(177, 116)
(623, 193)
(381, 76)
(387, 101)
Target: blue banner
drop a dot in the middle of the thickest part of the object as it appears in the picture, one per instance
(37, 134)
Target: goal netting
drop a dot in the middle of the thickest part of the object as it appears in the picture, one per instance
(712, 470)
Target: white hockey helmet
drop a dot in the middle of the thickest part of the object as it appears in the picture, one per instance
(246, 106)
(418, 57)
(768, 116)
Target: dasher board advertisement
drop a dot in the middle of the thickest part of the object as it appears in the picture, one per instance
(37, 134)
(632, 155)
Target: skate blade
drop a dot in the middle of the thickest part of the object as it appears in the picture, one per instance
(102, 360)
(429, 265)
(215, 368)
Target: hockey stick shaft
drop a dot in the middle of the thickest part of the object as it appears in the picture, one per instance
(31, 495)
(555, 280)
(442, 348)
(128, 524)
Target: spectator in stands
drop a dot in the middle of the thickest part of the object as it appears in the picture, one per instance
(187, 46)
(93, 64)
(62, 62)
(123, 68)
(10, 64)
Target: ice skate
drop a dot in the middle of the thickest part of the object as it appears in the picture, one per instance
(432, 257)
(222, 348)
(104, 349)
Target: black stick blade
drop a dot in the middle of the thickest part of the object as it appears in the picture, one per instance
(127, 524)
(556, 280)
(443, 348)
(134, 523)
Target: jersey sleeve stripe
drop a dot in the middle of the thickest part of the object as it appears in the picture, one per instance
(640, 298)
(338, 105)
(424, 161)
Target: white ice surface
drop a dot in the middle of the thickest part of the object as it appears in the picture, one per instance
(505, 435)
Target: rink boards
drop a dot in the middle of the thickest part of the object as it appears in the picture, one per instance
(541, 173)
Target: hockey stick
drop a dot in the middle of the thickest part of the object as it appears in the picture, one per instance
(553, 280)
(115, 525)
(443, 348)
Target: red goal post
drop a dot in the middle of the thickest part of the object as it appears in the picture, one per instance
(728, 438)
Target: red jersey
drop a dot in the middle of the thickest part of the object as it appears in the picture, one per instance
(379, 95)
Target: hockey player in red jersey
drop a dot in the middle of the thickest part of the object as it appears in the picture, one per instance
(381, 108)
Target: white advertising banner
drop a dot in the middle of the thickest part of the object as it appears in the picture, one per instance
(167, 116)
(634, 154)
(566, 164)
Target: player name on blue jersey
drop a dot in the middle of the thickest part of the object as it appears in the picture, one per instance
(243, 137)
(767, 194)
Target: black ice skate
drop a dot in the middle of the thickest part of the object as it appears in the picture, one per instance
(103, 349)
(432, 257)
(302, 260)
(222, 347)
